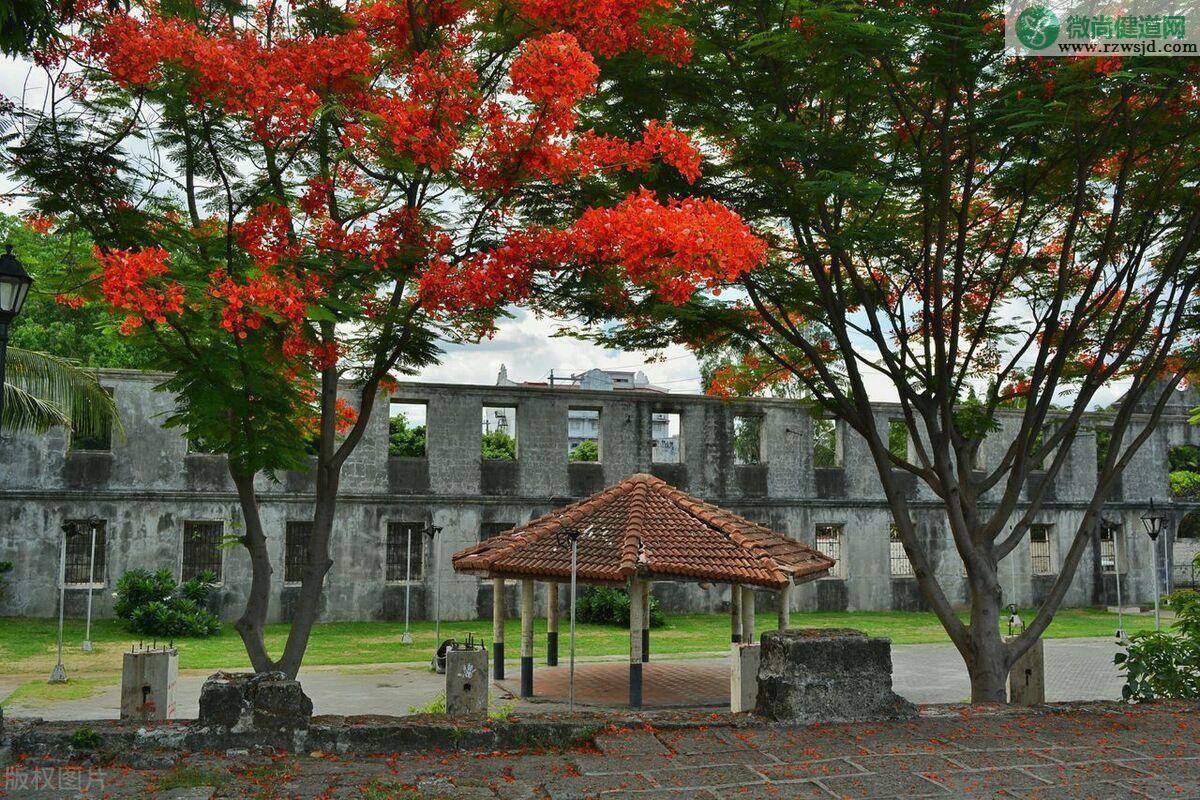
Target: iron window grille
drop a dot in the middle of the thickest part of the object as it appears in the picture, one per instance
(202, 548)
(295, 546)
(78, 567)
(1040, 556)
(900, 564)
(829, 543)
(401, 535)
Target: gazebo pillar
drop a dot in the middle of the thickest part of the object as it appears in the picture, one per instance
(552, 624)
(785, 606)
(635, 643)
(527, 637)
(748, 614)
(498, 628)
(735, 613)
(645, 621)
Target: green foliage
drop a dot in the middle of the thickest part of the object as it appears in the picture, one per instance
(824, 443)
(587, 450)
(1165, 664)
(405, 441)
(608, 605)
(1185, 484)
(898, 439)
(153, 604)
(87, 336)
(1184, 457)
(86, 738)
(747, 440)
(44, 391)
(499, 446)
(1184, 462)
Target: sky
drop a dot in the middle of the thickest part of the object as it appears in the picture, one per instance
(524, 343)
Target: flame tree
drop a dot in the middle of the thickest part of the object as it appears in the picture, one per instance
(981, 232)
(288, 198)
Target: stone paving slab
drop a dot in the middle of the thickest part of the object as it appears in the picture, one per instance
(1010, 758)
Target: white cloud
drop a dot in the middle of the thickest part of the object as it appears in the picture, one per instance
(527, 345)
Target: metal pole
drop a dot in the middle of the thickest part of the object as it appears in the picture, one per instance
(1154, 576)
(437, 590)
(3, 359)
(574, 570)
(1117, 570)
(59, 674)
(407, 637)
(87, 633)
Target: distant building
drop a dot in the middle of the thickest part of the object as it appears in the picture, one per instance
(583, 425)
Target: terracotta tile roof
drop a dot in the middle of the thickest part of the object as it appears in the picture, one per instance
(647, 527)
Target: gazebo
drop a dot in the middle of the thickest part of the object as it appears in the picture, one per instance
(631, 534)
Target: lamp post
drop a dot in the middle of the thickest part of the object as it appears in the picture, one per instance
(407, 637)
(94, 525)
(1153, 521)
(1113, 529)
(435, 547)
(59, 673)
(14, 288)
(562, 537)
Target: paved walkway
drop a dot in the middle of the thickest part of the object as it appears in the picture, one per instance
(1077, 669)
(1107, 753)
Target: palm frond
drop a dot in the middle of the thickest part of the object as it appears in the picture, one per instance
(43, 391)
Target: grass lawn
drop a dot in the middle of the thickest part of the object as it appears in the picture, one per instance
(27, 646)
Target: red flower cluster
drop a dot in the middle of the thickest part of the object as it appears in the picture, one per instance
(673, 249)
(610, 27)
(129, 283)
(277, 87)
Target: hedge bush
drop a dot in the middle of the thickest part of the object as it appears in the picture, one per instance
(1165, 664)
(604, 605)
(154, 604)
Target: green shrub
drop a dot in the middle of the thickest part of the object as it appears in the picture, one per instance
(498, 446)
(1165, 664)
(606, 605)
(1185, 484)
(86, 738)
(153, 604)
(587, 450)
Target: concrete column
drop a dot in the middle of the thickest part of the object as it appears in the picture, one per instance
(1027, 677)
(645, 621)
(748, 614)
(552, 624)
(735, 613)
(527, 637)
(785, 607)
(635, 643)
(498, 628)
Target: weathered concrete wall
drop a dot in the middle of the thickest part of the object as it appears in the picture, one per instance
(149, 485)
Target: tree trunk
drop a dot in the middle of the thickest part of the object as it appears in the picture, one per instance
(317, 565)
(251, 626)
(987, 661)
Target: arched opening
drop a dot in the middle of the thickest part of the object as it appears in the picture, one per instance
(1185, 548)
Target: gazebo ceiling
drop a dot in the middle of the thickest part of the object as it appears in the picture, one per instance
(644, 527)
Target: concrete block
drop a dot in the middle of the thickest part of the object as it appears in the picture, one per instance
(1027, 678)
(466, 682)
(743, 677)
(148, 682)
(827, 675)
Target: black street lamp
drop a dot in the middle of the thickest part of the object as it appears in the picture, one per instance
(1154, 521)
(14, 288)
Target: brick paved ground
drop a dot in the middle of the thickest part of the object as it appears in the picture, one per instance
(1101, 752)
